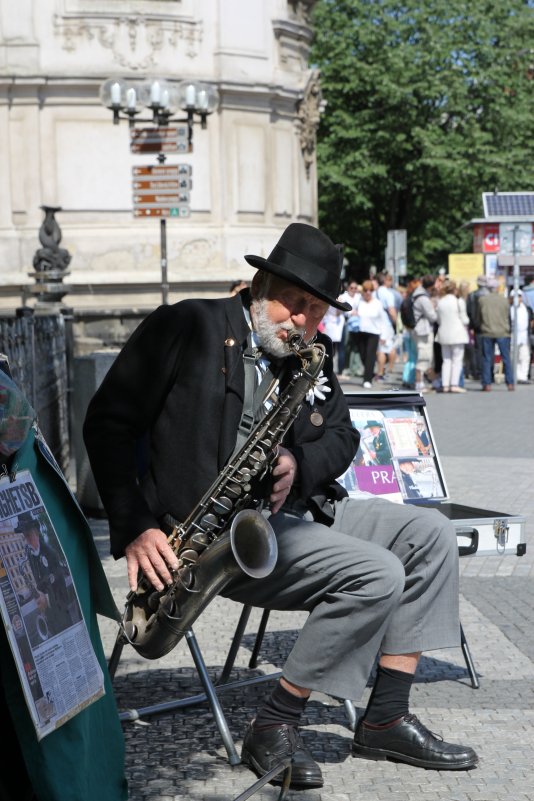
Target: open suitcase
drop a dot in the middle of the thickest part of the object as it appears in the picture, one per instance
(398, 460)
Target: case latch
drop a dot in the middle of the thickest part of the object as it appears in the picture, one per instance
(501, 529)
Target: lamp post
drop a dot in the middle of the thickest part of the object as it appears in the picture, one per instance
(515, 347)
(163, 99)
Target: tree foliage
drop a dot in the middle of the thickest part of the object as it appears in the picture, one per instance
(428, 104)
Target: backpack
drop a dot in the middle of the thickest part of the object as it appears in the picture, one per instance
(407, 312)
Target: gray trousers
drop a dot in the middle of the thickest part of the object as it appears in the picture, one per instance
(383, 578)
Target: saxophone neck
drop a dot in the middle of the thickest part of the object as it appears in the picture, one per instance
(311, 355)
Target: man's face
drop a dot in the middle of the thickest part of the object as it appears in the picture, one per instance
(285, 309)
(32, 538)
(351, 289)
(407, 467)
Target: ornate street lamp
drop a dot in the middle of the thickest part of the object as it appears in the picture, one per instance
(163, 99)
(126, 99)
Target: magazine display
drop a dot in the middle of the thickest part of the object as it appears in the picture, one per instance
(396, 458)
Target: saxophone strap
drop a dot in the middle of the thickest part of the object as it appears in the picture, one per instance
(255, 394)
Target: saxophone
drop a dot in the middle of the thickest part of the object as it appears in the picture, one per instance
(225, 534)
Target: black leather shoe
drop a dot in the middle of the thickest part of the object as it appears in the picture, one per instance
(407, 740)
(264, 748)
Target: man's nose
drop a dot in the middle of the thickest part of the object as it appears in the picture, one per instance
(298, 319)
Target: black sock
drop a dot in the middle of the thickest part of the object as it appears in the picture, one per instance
(389, 697)
(281, 707)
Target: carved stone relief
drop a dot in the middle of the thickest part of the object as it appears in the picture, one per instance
(300, 10)
(133, 38)
(197, 253)
(309, 114)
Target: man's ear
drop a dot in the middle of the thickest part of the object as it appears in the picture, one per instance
(260, 284)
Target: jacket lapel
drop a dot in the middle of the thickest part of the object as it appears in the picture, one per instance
(236, 332)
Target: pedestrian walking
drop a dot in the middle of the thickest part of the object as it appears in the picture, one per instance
(423, 333)
(452, 335)
(495, 331)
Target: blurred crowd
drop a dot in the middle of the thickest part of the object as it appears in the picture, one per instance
(438, 331)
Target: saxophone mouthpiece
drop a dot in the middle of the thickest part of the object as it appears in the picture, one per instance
(295, 342)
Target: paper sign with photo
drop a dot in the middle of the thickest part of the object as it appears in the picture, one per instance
(57, 666)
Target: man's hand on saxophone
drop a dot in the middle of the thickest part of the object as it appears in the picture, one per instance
(285, 470)
(151, 553)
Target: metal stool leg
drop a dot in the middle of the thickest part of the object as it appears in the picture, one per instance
(259, 638)
(284, 765)
(236, 642)
(469, 660)
(350, 709)
(213, 700)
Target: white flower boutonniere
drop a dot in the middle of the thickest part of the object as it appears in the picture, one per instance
(319, 390)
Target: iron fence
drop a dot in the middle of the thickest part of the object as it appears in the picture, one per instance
(38, 348)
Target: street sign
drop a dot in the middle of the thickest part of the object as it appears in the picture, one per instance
(396, 253)
(163, 171)
(162, 190)
(161, 199)
(160, 140)
(164, 185)
(158, 185)
(176, 211)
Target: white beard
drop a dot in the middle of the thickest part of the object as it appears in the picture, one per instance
(267, 331)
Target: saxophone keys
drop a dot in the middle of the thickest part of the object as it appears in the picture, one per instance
(186, 577)
(189, 557)
(201, 538)
(208, 522)
(222, 505)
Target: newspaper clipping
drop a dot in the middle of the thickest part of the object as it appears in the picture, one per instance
(57, 666)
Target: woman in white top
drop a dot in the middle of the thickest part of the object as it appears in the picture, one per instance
(452, 335)
(373, 327)
(333, 325)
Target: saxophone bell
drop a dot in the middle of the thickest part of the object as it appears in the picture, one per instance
(253, 543)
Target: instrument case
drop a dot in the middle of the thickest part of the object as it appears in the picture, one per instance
(398, 459)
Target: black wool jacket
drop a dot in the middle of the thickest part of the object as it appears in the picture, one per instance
(177, 385)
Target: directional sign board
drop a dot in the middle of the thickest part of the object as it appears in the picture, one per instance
(175, 211)
(162, 190)
(174, 139)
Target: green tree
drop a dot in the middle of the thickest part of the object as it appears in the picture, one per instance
(428, 104)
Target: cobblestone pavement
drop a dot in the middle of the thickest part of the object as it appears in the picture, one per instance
(486, 445)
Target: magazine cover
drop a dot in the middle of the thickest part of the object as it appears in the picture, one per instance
(396, 458)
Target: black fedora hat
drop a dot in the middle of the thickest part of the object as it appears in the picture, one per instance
(26, 522)
(306, 257)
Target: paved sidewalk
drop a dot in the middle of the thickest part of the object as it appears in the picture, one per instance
(486, 444)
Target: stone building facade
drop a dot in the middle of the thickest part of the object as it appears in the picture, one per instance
(253, 167)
